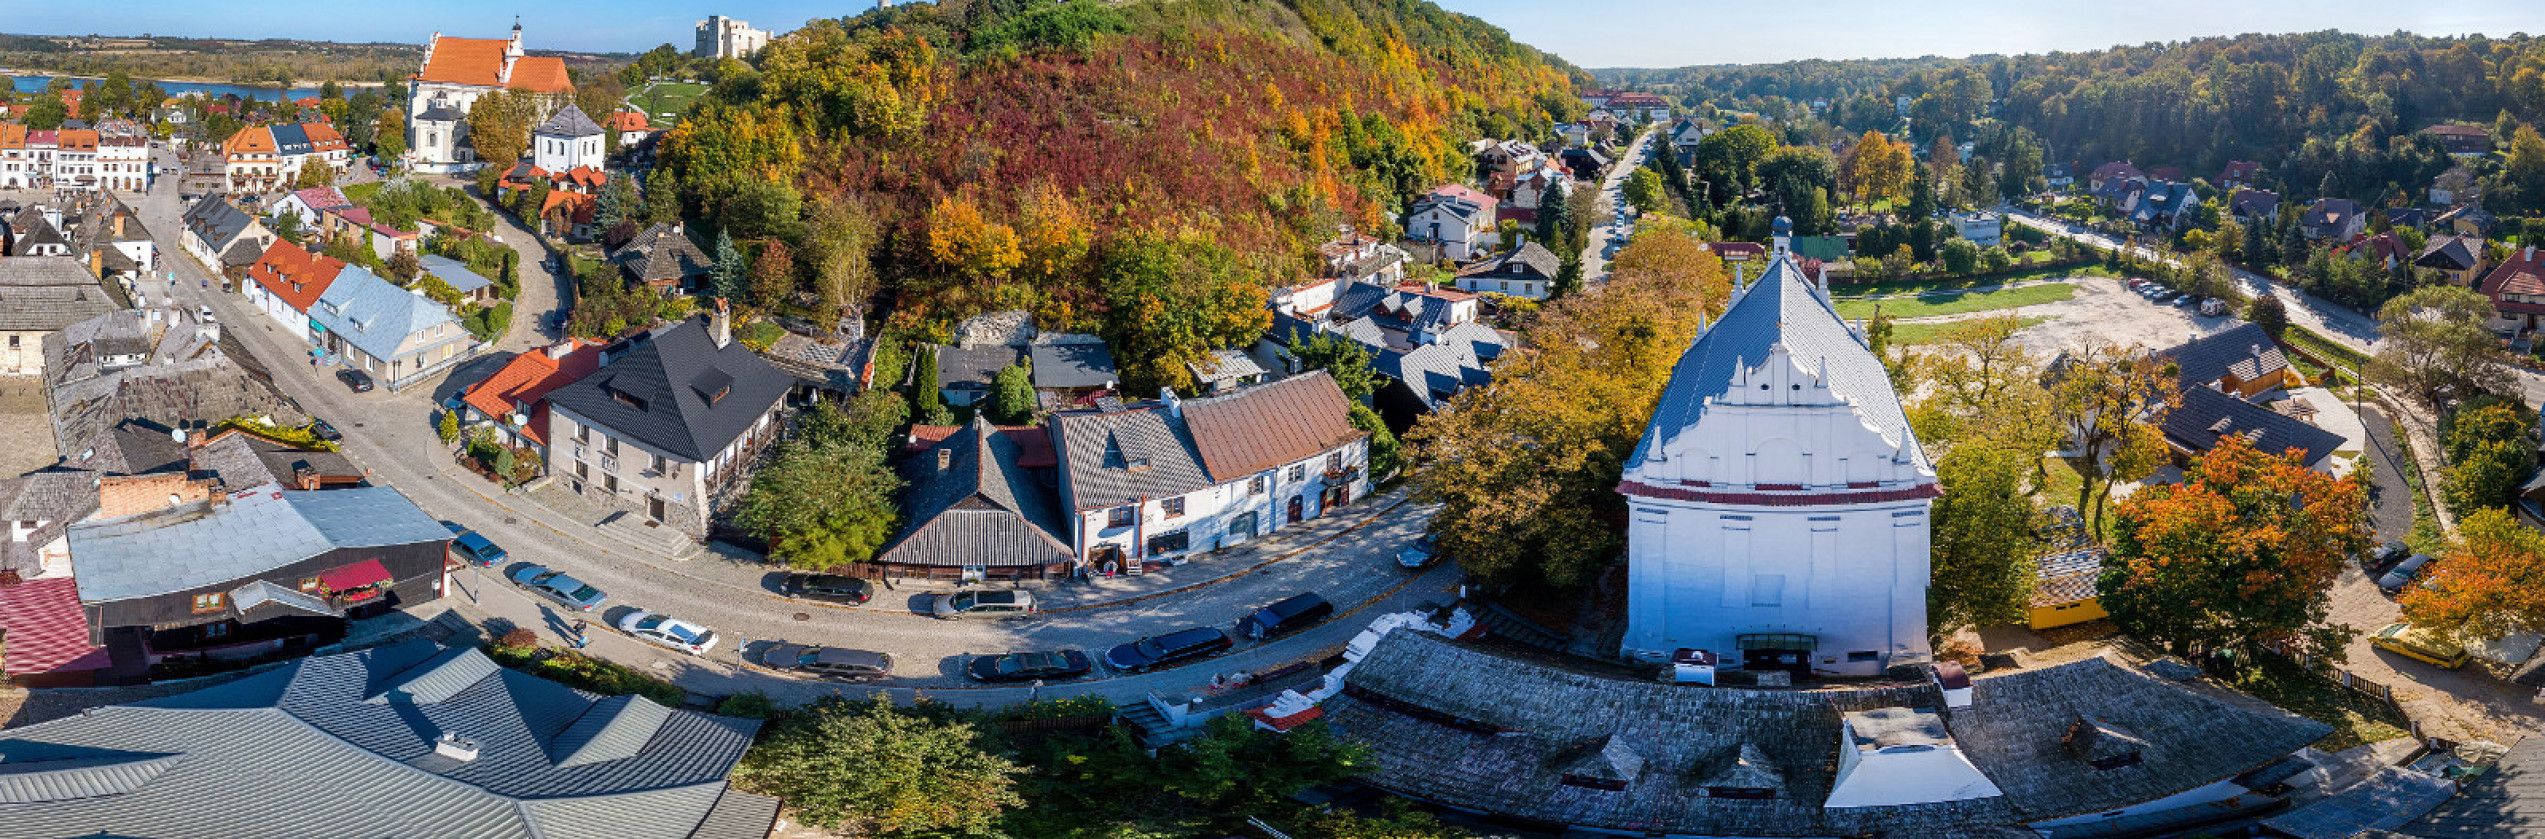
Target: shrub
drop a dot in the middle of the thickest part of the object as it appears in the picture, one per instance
(759, 335)
(752, 705)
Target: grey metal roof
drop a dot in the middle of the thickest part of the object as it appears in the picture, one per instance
(243, 535)
(970, 368)
(1073, 364)
(1781, 308)
(217, 222)
(673, 416)
(2506, 803)
(260, 594)
(615, 728)
(570, 121)
(41, 780)
(454, 272)
(1225, 366)
(1115, 458)
(379, 317)
(1505, 723)
(981, 509)
(297, 752)
(439, 112)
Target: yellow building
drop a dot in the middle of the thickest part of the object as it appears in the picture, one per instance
(2064, 592)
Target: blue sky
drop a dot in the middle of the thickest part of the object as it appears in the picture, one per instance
(1591, 33)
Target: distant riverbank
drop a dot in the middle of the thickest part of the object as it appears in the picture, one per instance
(35, 82)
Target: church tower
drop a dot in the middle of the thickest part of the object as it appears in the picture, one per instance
(1779, 502)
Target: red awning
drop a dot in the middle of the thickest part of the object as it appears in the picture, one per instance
(368, 572)
(45, 629)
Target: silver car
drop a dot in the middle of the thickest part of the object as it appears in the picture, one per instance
(665, 630)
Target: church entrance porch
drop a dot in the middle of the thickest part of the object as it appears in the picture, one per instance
(1790, 653)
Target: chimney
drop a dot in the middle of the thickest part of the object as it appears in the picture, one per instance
(945, 457)
(1174, 406)
(455, 747)
(304, 476)
(723, 323)
(194, 439)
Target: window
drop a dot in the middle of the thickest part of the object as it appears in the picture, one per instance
(1334, 462)
(1174, 507)
(1587, 782)
(216, 630)
(1741, 793)
(1299, 473)
(1864, 655)
(1118, 517)
(213, 602)
(309, 584)
(661, 465)
(1256, 486)
(1169, 542)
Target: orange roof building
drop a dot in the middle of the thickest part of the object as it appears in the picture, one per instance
(492, 62)
(12, 136)
(77, 139)
(522, 385)
(629, 122)
(249, 142)
(287, 280)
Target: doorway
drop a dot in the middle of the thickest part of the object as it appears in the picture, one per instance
(1298, 507)
(654, 507)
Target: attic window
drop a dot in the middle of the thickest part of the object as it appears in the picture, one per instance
(625, 398)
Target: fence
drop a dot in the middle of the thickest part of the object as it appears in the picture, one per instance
(2357, 685)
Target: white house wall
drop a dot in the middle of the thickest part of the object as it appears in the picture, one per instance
(1208, 513)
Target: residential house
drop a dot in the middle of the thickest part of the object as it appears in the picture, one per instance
(18, 166)
(1685, 135)
(572, 215)
(964, 371)
(662, 258)
(2465, 220)
(974, 510)
(1527, 272)
(40, 296)
(1425, 342)
(2066, 590)
(268, 157)
(39, 508)
(2241, 361)
(568, 140)
(251, 572)
(2078, 748)
(1224, 371)
(42, 147)
(2449, 186)
(286, 281)
(1585, 163)
(2154, 173)
(1540, 181)
(667, 425)
(2221, 376)
(2161, 205)
(1360, 257)
(513, 400)
(319, 210)
(75, 160)
(38, 232)
(1984, 229)
(2517, 289)
(1456, 219)
(161, 365)
(1072, 371)
(2249, 205)
(405, 739)
(455, 72)
(472, 286)
(233, 459)
(1574, 134)
(1158, 481)
(222, 236)
(631, 126)
(398, 336)
(2386, 249)
(1639, 106)
(123, 156)
(2059, 177)
(112, 241)
(2238, 173)
(2114, 172)
(2461, 140)
(1737, 254)
(2416, 218)
(2334, 219)
(2458, 258)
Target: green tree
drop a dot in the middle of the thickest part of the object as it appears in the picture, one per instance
(499, 125)
(1728, 160)
(2244, 551)
(869, 769)
(838, 238)
(1644, 190)
(46, 113)
(2111, 404)
(821, 507)
(1385, 452)
(2268, 312)
(1984, 537)
(1012, 395)
(1961, 257)
(867, 420)
(616, 202)
(729, 276)
(449, 428)
(2432, 343)
(1343, 358)
(927, 399)
(1174, 299)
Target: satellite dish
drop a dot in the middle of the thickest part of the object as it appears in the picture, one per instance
(177, 435)
(519, 420)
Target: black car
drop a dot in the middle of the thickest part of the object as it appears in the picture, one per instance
(320, 429)
(831, 587)
(355, 380)
(827, 662)
(1289, 615)
(1022, 667)
(1162, 650)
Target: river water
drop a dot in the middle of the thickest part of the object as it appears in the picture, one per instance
(37, 83)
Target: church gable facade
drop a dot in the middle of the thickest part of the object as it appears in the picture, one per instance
(1779, 501)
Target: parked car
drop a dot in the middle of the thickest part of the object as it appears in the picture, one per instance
(2420, 645)
(355, 380)
(1421, 554)
(668, 631)
(839, 663)
(476, 549)
(998, 601)
(2384, 555)
(1287, 615)
(2400, 575)
(320, 429)
(204, 313)
(832, 587)
(1026, 667)
(1161, 650)
(555, 585)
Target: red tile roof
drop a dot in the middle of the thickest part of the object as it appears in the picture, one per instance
(13, 135)
(480, 62)
(582, 207)
(77, 139)
(258, 140)
(527, 379)
(629, 121)
(1737, 251)
(292, 273)
(1033, 444)
(44, 629)
(2523, 273)
(541, 74)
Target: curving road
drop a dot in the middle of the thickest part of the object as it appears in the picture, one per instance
(392, 436)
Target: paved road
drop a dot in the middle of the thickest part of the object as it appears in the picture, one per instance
(1612, 195)
(392, 436)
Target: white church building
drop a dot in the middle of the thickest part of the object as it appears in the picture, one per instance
(1779, 501)
(456, 71)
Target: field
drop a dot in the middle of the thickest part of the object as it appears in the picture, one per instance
(1912, 334)
(666, 102)
(1955, 302)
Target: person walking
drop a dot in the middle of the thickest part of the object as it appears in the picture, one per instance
(580, 638)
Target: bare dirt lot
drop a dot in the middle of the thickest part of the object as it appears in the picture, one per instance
(26, 434)
(2101, 311)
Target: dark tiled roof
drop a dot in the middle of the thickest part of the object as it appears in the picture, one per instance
(284, 753)
(2450, 253)
(2508, 803)
(570, 121)
(665, 374)
(1118, 457)
(1269, 426)
(1779, 309)
(216, 221)
(2015, 732)
(1073, 364)
(2207, 415)
(661, 254)
(983, 508)
(2246, 351)
(973, 367)
(47, 293)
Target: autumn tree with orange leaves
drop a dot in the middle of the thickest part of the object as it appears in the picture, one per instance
(2244, 551)
(2485, 585)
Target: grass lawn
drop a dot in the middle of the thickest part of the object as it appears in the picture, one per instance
(1911, 334)
(2322, 347)
(667, 100)
(2315, 695)
(1956, 302)
(360, 194)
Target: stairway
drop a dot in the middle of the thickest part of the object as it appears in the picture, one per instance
(1511, 626)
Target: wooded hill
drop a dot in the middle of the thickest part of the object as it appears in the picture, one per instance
(1157, 161)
